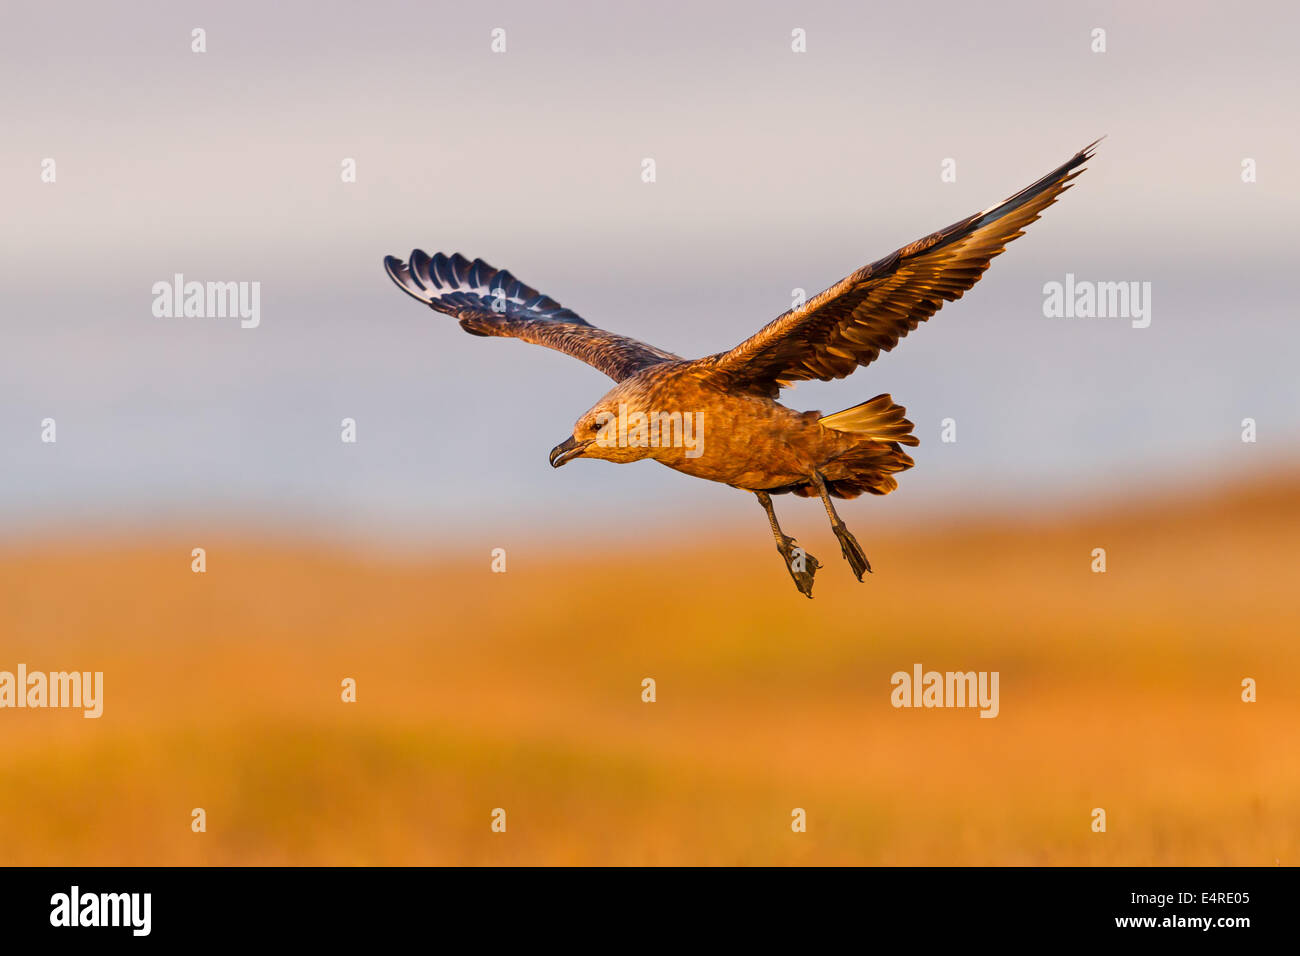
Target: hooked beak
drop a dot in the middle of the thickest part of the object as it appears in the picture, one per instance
(567, 450)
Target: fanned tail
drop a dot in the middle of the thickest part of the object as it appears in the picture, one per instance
(879, 419)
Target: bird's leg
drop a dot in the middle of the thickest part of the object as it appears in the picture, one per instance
(801, 565)
(852, 551)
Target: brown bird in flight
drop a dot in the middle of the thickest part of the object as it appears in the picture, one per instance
(717, 417)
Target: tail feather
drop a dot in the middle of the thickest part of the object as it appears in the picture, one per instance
(878, 418)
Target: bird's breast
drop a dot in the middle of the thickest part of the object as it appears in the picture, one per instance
(742, 441)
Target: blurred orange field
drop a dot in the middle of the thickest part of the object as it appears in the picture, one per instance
(522, 691)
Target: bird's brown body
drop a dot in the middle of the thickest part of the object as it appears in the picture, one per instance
(728, 426)
(754, 443)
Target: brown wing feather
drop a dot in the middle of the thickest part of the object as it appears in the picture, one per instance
(856, 319)
(491, 301)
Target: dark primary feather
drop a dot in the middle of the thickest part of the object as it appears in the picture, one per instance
(868, 312)
(490, 301)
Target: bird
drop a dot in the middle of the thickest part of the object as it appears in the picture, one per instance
(718, 417)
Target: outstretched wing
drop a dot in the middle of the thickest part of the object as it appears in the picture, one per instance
(491, 301)
(856, 319)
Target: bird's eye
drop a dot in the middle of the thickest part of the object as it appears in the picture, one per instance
(595, 427)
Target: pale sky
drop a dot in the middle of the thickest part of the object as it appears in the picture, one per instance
(775, 170)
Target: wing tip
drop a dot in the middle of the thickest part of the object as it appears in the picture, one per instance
(1088, 151)
(400, 272)
(1083, 155)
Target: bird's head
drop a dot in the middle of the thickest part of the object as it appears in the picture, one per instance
(608, 430)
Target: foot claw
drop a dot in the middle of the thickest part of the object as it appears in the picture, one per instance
(801, 565)
(852, 551)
